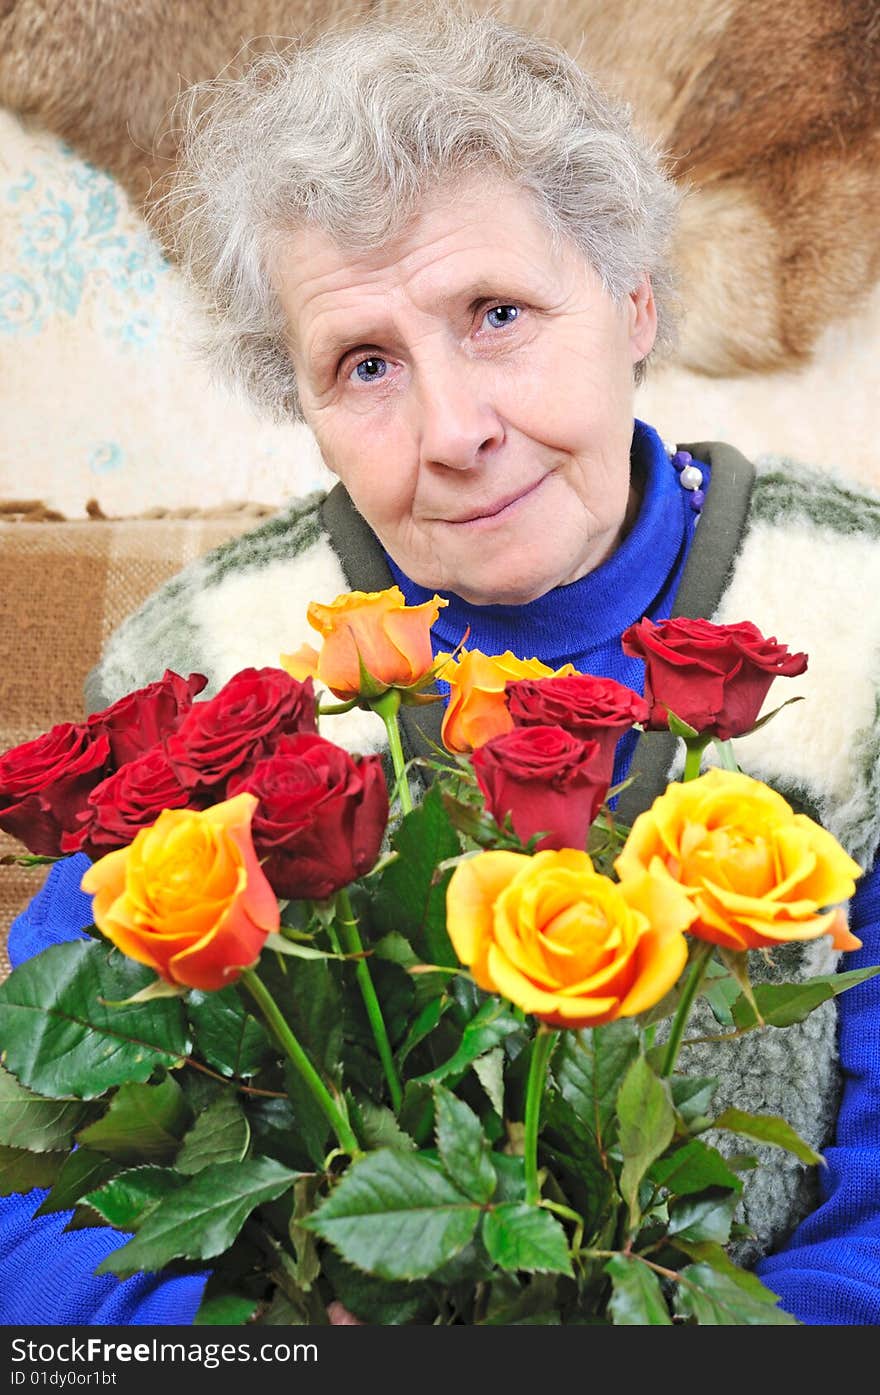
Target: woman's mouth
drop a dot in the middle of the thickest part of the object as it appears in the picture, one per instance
(497, 511)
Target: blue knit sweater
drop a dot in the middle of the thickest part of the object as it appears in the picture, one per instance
(829, 1272)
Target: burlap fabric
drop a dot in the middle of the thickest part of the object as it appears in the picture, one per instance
(63, 587)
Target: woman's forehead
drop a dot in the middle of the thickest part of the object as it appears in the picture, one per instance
(461, 246)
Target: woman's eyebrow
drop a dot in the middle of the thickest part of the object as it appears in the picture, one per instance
(330, 345)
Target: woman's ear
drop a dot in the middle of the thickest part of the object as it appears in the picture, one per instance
(642, 319)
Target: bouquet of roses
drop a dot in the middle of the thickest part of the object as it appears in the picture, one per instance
(417, 1066)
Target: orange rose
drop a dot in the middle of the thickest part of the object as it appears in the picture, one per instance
(188, 897)
(758, 874)
(375, 630)
(561, 941)
(477, 707)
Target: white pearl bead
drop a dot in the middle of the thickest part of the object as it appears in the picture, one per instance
(669, 448)
(691, 477)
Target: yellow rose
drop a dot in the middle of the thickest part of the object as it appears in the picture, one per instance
(188, 897)
(562, 942)
(758, 873)
(477, 709)
(390, 638)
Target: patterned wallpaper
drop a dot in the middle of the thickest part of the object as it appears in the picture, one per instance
(101, 391)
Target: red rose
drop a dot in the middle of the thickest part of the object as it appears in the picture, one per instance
(714, 677)
(594, 709)
(321, 816)
(547, 780)
(45, 783)
(229, 733)
(137, 722)
(127, 801)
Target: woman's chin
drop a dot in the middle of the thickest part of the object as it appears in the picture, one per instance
(503, 589)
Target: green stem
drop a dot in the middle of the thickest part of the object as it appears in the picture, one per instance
(545, 1040)
(388, 706)
(294, 1052)
(726, 758)
(694, 748)
(699, 966)
(354, 945)
(335, 709)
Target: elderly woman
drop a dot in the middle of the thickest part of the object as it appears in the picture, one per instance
(440, 246)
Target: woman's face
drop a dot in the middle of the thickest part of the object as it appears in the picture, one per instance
(473, 390)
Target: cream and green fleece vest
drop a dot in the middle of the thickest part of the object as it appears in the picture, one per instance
(795, 550)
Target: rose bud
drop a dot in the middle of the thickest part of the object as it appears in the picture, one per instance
(230, 732)
(714, 677)
(45, 784)
(188, 897)
(127, 801)
(371, 630)
(477, 709)
(547, 781)
(137, 722)
(560, 941)
(321, 815)
(594, 709)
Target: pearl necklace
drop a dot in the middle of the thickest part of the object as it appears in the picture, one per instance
(690, 476)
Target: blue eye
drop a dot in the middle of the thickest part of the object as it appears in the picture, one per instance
(501, 315)
(371, 369)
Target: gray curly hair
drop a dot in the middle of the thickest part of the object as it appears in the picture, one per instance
(347, 132)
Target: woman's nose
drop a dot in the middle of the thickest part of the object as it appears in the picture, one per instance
(457, 422)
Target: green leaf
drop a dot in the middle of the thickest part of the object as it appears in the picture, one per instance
(513, 1303)
(306, 1268)
(511, 1177)
(279, 944)
(127, 1199)
(706, 1296)
(490, 1025)
(422, 1027)
(203, 1217)
(693, 1168)
(60, 1038)
(376, 1300)
(220, 1134)
(227, 1036)
(782, 1004)
(377, 1127)
(29, 1121)
(692, 1096)
(82, 1172)
(225, 1310)
(409, 900)
(489, 1070)
(144, 1123)
(569, 1147)
(713, 1254)
(707, 1216)
(520, 1236)
(588, 1067)
(768, 1128)
(20, 1170)
(463, 1146)
(637, 1297)
(647, 1123)
(396, 1215)
(311, 1127)
(397, 948)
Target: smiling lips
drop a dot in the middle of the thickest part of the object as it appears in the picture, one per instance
(484, 515)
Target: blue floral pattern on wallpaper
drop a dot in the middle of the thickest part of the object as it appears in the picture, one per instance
(77, 241)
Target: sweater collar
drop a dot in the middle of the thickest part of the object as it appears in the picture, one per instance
(601, 604)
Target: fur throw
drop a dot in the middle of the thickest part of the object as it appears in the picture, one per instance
(771, 113)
